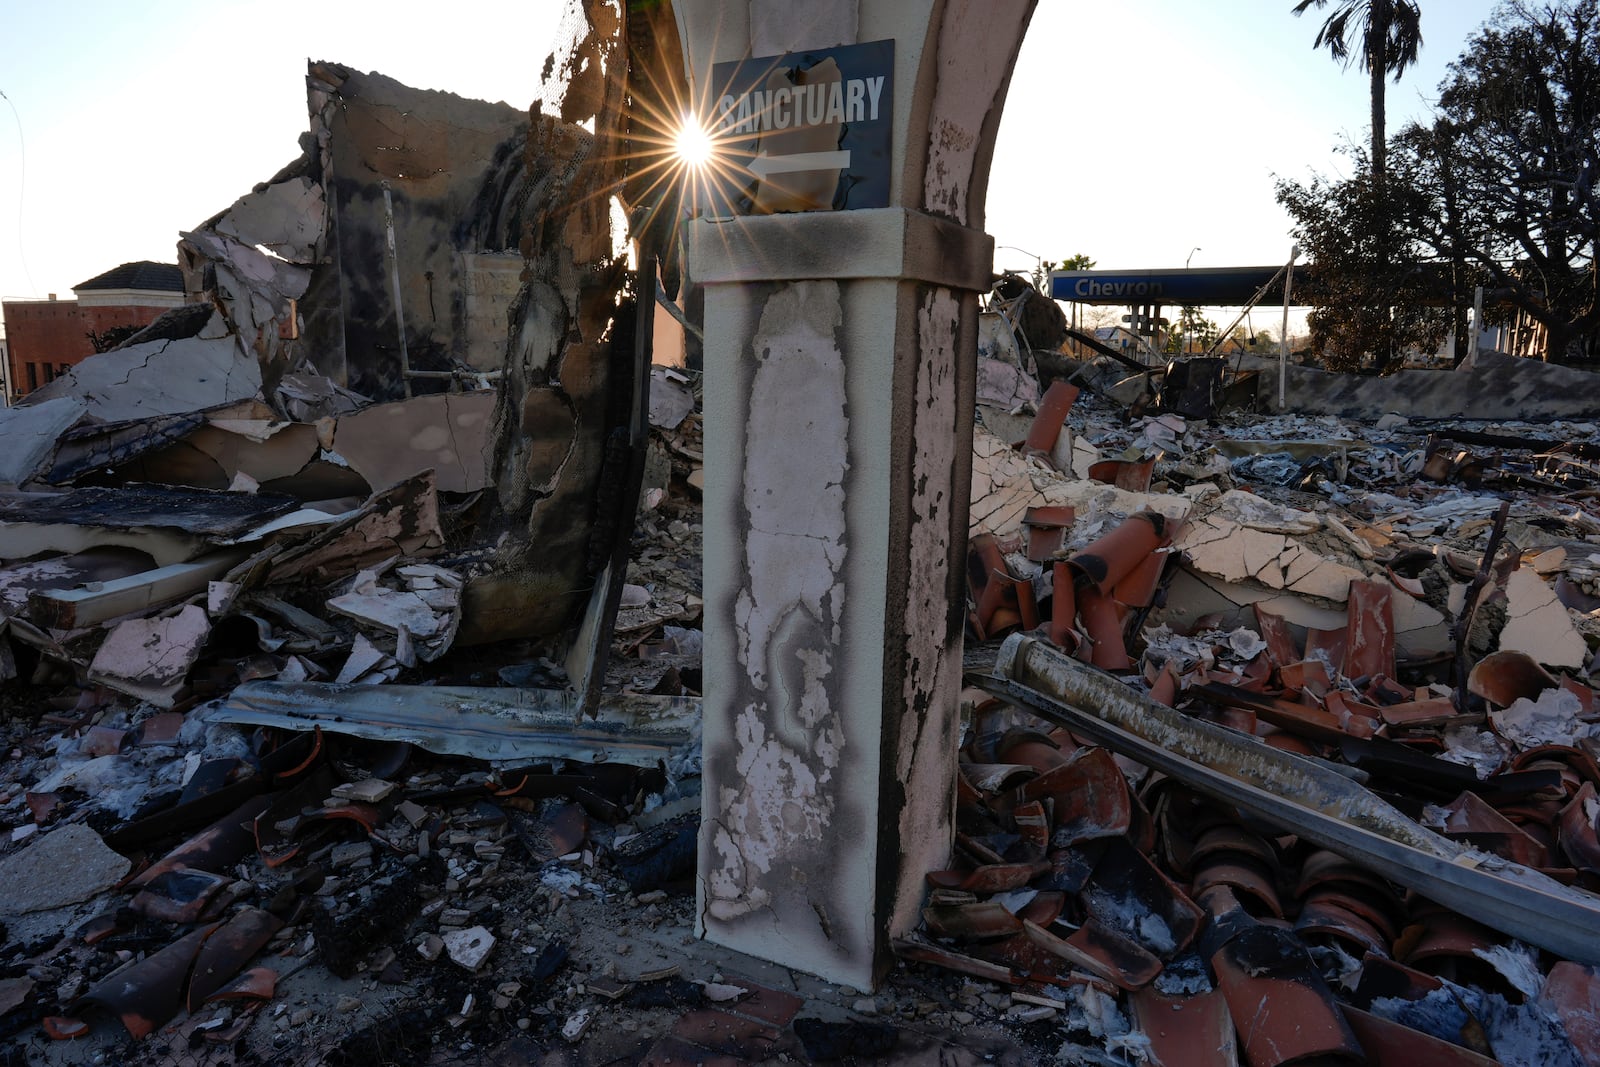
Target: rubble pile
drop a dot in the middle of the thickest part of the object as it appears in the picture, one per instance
(1331, 793)
(224, 766)
(292, 585)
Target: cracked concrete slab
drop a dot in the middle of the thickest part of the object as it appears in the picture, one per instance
(157, 378)
(30, 433)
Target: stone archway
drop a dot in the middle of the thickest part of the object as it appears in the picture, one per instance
(840, 350)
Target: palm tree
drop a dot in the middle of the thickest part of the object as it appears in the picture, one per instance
(1389, 33)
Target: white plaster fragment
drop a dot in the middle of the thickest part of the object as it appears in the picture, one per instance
(1538, 624)
(390, 609)
(150, 658)
(364, 658)
(1552, 719)
(286, 217)
(470, 947)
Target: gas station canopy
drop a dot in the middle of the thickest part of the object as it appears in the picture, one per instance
(1205, 287)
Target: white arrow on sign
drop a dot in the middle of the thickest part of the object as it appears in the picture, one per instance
(762, 166)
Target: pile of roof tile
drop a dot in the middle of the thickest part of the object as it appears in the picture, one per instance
(1337, 604)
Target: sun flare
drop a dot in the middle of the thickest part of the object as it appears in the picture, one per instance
(692, 143)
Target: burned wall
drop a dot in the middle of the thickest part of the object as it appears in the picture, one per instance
(480, 234)
(452, 171)
(302, 265)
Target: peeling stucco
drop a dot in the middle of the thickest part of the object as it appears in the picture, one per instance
(774, 822)
(978, 41)
(779, 26)
(925, 753)
(838, 415)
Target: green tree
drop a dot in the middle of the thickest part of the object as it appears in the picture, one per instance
(1371, 297)
(1506, 173)
(1381, 37)
(1191, 332)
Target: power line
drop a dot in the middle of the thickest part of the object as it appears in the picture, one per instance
(22, 169)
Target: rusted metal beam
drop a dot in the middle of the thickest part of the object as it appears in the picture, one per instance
(487, 723)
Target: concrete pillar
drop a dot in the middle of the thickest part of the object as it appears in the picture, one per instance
(839, 355)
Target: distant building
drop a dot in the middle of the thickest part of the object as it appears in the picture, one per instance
(46, 337)
(1117, 337)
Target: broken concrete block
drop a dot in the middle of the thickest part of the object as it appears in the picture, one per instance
(413, 813)
(470, 947)
(63, 867)
(286, 217)
(1537, 622)
(350, 854)
(578, 1024)
(150, 658)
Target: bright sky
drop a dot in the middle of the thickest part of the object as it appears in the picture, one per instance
(1133, 132)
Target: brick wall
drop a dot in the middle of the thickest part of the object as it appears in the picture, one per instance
(48, 336)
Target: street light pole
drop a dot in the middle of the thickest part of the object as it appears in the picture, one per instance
(1188, 325)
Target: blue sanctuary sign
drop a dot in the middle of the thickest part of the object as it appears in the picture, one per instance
(805, 131)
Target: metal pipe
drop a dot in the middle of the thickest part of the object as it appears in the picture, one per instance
(1254, 300)
(1283, 342)
(399, 310)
